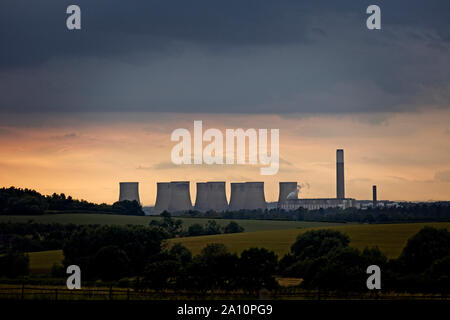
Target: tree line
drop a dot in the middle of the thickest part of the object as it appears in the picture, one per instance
(323, 259)
(405, 212)
(16, 201)
(32, 237)
(175, 227)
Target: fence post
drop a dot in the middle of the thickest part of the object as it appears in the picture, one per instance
(23, 289)
(110, 293)
(128, 294)
(56, 294)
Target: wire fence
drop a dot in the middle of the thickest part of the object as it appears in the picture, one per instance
(25, 292)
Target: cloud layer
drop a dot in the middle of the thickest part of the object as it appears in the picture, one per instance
(224, 56)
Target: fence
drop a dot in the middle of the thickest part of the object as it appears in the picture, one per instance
(52, 293)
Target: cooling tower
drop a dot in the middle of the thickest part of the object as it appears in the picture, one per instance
(340, 184)
(285, 189)
(129, 191)
(162, 197)
(254, 196)
(374, 196)
(217, 199)
(180, 198)
(237, 196)
(201, 200)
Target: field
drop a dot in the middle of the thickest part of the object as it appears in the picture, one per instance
(42, 262)
(390, 238)
(110, 219)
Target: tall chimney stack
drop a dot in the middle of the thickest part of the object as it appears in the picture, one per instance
(340, 184)
(374, 195)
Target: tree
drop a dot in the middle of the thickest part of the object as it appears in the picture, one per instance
(256, 269)
(233, 227)
(196, 230)
(316, 243)
(181, 253)
(111, 263)
(214, 268)
(14, 264)
(174, 227)
(374, 256)
(158, 274)
(438, 275)
(342, 269)
(212, 227)
(138, 242)
(425, 247)
(132, 208)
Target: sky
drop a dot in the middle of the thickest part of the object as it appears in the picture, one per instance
(82, 110)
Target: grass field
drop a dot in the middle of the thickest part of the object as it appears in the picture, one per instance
(42, 262)
(249, 225)
(390, 238)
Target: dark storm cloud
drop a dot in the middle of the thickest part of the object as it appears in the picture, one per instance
(247, 56)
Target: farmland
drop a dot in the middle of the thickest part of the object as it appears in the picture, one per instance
(390, 238)
(42, 262)
(111, 219)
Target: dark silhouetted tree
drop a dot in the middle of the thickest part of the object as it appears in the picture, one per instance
(257, 267)
(233, 227)
(111, 263)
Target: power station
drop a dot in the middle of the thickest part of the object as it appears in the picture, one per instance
(286, 189)
(129, 191)
(217, 198)
(288, 203)
(180, 197)
(162, 197)
(211, 196)
(237, 197)
(201, 200)
(340, 183)
(254, 196)
(175, 197)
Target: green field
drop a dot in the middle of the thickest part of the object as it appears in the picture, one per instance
(111, 219)
(390, 238)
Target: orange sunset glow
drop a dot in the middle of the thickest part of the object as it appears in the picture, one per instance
(86, 155)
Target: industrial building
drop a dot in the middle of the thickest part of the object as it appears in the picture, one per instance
(201, 200)
(288, 203)
(129, 191)
(374, 196)
(173, 197)
(217, 198)
(340, 181)
(237, 196)
(162, 197)
(211, 196)
(180, 197)
(320, 203)
(247, 196)
(254, 196)
(286, 189)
